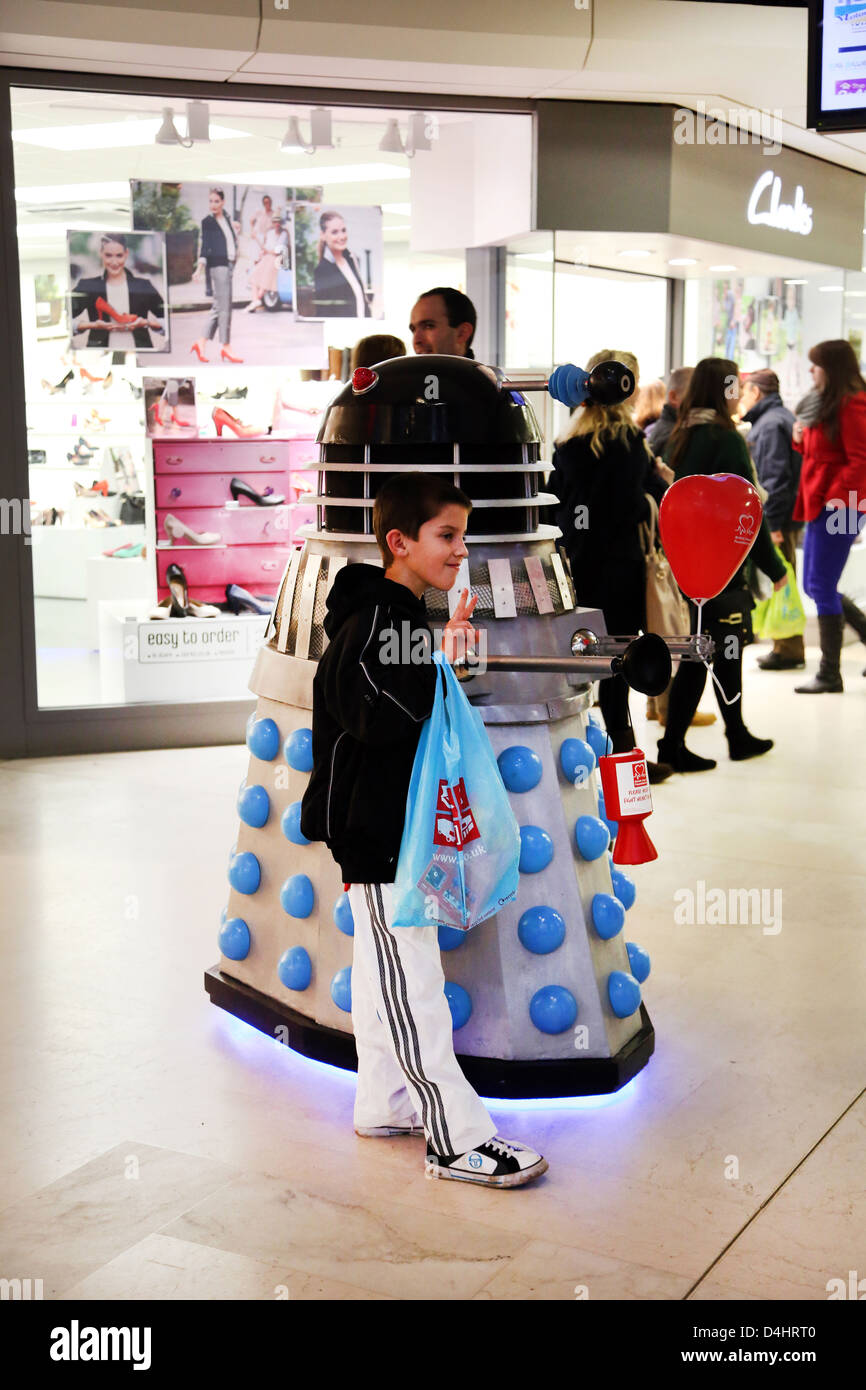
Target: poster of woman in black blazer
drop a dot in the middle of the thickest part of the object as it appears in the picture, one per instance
(117, 309)
(332, 280)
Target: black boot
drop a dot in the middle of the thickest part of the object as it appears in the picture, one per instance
(828, 679)
(854, 617)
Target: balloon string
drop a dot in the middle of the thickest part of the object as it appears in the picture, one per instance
(718, 684)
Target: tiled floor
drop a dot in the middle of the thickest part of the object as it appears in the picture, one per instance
(155, 1147)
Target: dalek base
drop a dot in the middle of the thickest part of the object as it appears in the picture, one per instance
(490, 1076)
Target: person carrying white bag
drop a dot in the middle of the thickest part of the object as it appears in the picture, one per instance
(373, 690)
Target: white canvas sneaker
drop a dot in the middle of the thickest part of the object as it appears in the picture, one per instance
(497, 1163)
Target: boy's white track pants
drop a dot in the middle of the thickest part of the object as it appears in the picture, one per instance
(403, 1030)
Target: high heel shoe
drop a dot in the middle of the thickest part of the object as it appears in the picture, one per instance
(238, 488)
(198, 352)
(61, 385)
(240, 601)
(79, 460)
(83, 448)
(103, 307)
(176, 529)
(231, 393)
(176, 581)
(221, 417)
(228, 357)
(89, 375)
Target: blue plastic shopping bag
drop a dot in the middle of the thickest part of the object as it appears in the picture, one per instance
(460, 851)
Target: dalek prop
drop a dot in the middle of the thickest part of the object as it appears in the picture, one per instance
(546, 995)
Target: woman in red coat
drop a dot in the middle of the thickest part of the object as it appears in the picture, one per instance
(832, 495)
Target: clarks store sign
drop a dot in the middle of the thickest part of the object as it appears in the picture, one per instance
(766, 207)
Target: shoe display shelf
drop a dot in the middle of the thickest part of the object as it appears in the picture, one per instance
(174, 659)
(192, 483)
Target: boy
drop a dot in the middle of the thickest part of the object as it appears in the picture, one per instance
(367, 717)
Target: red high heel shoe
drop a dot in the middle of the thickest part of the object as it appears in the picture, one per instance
(103, 307)
(227, 356)
(221, 417)
(89, 375)
(198, 352)
(153, 409)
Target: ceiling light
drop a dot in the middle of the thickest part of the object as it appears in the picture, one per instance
(635, 251)
(796, 282)
(198, 121)
(168, 133)
(402, 209)
(320, 129)
(831, 289)
(392, 140)
(683, 260)
(723, 267)
(293, 140)
(855, 294)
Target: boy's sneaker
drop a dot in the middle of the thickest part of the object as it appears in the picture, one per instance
(497, 1163)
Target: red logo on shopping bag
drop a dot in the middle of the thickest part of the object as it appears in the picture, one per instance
(454, 821)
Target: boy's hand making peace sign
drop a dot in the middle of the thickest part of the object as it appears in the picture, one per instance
(458, 635)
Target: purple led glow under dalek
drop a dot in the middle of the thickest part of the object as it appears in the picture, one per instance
(545, 996)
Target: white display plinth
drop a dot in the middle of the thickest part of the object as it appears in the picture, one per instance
(60, 555)
(169, 659)
(110, 580)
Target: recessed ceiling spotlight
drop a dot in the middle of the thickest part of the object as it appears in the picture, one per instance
(683, 260)
(796, 282)
(723, 267)
(635, 251)
(831, 289)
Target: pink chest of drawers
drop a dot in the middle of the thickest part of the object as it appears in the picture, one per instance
(192, 481)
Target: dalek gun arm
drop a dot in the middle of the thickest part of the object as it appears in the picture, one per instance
(644, 662)
(609, 383)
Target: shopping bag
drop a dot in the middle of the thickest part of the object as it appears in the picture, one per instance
(460, 851)
(782, 614)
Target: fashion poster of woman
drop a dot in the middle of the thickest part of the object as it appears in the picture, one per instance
(231, 284)
(118, 295)
(339, 258)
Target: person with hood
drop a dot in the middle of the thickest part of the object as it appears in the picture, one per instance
(368, 711)
(832, 496)
(777, 464)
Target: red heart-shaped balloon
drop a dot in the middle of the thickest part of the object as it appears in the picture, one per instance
(708, 524)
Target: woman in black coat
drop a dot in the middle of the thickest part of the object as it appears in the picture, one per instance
(602, 470)
(216, 260)
(340, 292)
(137, 303)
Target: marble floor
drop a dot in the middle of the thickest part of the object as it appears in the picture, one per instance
(156, 1148)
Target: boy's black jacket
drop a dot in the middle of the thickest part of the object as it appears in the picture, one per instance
(367, 718)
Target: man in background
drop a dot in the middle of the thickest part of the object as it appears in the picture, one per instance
(777, 465)
(659, 434)
(443, 320)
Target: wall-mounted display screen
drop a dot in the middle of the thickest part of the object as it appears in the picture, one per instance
(837, 65)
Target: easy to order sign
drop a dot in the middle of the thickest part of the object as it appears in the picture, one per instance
(206, 640)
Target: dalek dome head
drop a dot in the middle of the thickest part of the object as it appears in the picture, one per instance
(431, 399)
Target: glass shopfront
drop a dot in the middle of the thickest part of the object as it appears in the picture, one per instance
(188, 309)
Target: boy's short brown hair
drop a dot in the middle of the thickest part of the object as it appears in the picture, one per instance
(406, 501)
